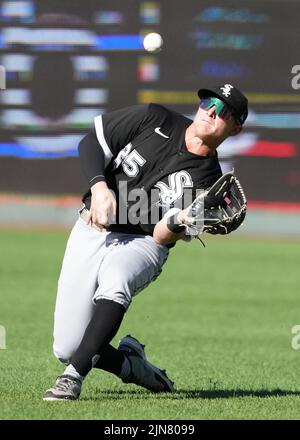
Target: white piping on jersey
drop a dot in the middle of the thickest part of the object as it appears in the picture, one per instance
(101, 139)
(99, 175)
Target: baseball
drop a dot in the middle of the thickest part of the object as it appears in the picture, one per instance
(153, 42)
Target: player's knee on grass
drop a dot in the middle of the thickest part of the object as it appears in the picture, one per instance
(63, 354)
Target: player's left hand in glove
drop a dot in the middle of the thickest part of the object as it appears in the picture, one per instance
(219, 210)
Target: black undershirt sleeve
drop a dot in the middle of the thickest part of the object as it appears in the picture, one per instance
(92, 158)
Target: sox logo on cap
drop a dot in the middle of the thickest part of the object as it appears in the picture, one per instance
(226, 90)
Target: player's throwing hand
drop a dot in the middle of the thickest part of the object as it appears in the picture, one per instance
(103, 206)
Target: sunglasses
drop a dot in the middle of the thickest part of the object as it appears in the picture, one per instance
(222, 110)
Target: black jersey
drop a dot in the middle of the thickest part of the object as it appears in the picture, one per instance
(144, 149)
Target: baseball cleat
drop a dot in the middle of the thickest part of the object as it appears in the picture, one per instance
(65, 388)
(142, 372)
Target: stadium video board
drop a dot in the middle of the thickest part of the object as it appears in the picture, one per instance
(68, 61)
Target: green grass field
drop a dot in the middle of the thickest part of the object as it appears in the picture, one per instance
(218, 319)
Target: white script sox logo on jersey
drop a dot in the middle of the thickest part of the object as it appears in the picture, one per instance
(131, 161)
(177, 183)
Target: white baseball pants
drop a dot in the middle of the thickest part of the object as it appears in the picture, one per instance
(109, 265)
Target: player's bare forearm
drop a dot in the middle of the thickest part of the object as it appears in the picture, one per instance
(99, 186)
(163, 235)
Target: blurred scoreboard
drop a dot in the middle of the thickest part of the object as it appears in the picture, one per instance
(68, 61)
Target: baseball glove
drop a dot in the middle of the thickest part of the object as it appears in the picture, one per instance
(219, 210)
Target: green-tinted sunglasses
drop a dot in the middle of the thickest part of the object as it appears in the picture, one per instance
(222, 110)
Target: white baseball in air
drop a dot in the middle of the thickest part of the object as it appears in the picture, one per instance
(153, 42)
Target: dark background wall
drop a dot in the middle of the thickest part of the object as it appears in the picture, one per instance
(68, 61)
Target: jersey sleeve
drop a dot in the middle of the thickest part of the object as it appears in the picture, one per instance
(112, 132)
(92, 159)
(116, 129)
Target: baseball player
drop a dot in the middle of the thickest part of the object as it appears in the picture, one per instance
(119, 243)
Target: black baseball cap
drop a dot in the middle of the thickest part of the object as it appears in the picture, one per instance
(233, 97)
